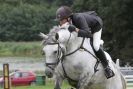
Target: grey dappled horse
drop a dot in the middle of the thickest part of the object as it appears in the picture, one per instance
(72, 57)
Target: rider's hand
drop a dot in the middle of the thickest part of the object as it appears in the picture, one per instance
(71, 28)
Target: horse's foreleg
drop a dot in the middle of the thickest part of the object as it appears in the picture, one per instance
(58, 82)
(84, 80)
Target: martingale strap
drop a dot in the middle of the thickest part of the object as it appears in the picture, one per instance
(65, 74)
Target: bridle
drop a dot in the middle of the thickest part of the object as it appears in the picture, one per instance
(60, 53)
(58, 56)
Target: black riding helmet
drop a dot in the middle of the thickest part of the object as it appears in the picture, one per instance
(63, 12)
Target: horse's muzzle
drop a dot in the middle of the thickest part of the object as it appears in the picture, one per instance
(48, 73)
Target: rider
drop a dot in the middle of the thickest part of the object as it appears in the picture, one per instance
(88, 25)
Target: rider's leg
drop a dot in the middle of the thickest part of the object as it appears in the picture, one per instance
(100, 53)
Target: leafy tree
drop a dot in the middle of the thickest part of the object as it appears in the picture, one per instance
(22, 20)
(117, 32)
(25, 21)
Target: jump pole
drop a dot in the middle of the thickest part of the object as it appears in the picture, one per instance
(6, 76)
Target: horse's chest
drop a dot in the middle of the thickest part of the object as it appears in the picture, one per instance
(73, 70)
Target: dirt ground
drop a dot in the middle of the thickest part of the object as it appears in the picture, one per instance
(23, 63)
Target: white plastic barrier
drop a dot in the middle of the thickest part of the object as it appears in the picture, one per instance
(128, 73)
(126, 68)
(129, 80)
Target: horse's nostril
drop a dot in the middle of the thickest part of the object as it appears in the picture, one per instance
(50, 73)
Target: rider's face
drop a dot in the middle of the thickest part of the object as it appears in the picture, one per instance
(63, 21)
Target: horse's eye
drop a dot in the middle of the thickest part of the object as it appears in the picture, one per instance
(55, 52)
(56, 36)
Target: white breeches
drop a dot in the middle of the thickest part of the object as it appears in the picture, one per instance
(97, 39)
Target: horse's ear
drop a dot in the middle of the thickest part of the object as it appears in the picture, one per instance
(57, 36)
(42, 35)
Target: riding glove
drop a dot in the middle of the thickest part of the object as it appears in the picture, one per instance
(71, 28)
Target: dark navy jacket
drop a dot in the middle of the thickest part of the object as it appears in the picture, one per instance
(87, 22)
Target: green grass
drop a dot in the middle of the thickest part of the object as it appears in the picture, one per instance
(47, 86)
(32, 87)
(29, 49)
(40, 87)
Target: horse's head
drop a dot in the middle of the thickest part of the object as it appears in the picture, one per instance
(51, 58)
(55, 46)
(53, 52)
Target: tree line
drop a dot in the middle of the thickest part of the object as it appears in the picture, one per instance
(22, 20)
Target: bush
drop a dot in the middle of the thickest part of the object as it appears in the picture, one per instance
(23, 22)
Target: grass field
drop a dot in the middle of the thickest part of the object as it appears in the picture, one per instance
(47, 86)
(30, 49)
(41, 87)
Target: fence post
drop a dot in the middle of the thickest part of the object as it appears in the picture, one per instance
(6, 76)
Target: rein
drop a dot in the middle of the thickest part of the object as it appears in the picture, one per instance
(65, 55)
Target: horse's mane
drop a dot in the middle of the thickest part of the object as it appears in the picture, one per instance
(51, 35)
(53, 31)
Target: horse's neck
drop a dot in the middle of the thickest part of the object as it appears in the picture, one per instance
(74, 44)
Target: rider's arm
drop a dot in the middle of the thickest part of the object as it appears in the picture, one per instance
(85, 30)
